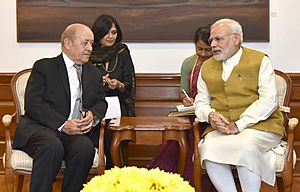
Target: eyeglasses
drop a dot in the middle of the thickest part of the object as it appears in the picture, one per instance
(219, 39)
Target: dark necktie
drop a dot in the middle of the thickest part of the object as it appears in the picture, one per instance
(78, 103)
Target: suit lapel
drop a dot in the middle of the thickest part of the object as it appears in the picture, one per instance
(62, 71)
(85, 77)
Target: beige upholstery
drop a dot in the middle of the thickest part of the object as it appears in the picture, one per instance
(16, 162)
(279, 150)
(284, 153)
(20, 160)
(281, 86)
(20, 90)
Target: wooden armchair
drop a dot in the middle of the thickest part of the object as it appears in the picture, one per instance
(17, 162)
(284, 161)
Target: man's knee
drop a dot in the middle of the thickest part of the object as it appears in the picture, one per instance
(84, 147)
(53, 149)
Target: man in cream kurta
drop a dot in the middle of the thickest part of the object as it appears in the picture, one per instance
(237, 96)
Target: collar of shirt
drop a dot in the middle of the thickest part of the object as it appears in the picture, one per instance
(72, 75)
(69, 63)
(230, 63)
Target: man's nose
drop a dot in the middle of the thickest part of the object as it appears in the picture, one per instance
(213, 43)
(90, 46)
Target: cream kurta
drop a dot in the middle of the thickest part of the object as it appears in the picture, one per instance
(249, 148)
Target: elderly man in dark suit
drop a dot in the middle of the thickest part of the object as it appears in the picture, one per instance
(50, 132)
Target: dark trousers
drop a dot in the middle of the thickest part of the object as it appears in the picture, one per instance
(48, 149)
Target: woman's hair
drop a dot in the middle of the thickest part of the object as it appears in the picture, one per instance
(202, 34)
(102, 25)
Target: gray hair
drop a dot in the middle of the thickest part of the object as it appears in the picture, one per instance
(235, 27)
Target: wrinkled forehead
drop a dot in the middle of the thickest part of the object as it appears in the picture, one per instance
(220, 30)
(84, 34)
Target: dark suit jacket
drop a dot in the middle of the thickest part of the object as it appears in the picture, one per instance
(47, 97)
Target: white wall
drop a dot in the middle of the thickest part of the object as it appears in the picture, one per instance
(283, 47)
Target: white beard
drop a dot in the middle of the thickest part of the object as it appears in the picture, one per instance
(219, 57)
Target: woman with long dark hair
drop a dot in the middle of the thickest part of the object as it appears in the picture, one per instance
(113, 59)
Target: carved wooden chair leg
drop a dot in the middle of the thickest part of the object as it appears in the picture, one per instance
(20, 182)
(279, 182)
(9, 180)
(286, 183)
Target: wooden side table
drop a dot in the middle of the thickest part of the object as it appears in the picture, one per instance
(170, 128)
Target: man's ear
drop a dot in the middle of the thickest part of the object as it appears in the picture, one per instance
(67, 43)
(236, 39)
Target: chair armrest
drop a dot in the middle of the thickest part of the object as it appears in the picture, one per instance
(292, 123)
(197, 163)
(290, 131)
(101, 162)
(7, 120)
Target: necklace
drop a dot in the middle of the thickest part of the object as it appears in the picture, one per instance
(106, 68)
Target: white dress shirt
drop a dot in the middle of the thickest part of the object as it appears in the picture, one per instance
(73, 82)
(259, 110)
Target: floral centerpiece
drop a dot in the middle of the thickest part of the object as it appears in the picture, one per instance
(133, 179)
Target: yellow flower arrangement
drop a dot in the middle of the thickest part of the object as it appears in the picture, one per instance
(133, 179)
